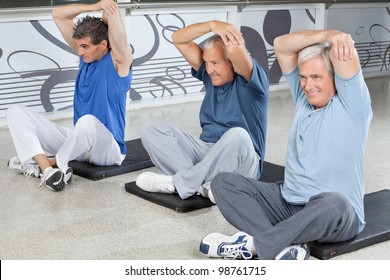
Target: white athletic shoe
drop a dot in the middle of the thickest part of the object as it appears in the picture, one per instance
(294, 252)
(205, 191)
(153, 182)
(68, 175)
(30, 168)
(53, 178)
(217, 245)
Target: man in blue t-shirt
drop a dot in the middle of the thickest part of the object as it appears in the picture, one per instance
(233, 116)
(322, 195)
(103, 79)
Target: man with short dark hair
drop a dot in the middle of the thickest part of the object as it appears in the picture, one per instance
(103, 79)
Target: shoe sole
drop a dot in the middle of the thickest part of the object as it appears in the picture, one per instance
(56, 181)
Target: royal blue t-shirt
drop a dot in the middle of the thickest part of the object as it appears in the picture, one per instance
(239, 103)
(101, 92)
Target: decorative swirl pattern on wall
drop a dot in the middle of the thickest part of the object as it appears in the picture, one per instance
(159, 70)
(377, 52)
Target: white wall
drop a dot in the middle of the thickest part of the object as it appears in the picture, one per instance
(38, 69)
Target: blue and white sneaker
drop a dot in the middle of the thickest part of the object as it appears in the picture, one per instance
(217, 245)
(294, 252)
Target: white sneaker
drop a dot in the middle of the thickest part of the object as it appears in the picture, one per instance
(205, 191)
(153, 182)
(68, 175)
(30, 168)
(53, 178)
(217, 245)
(294, 252)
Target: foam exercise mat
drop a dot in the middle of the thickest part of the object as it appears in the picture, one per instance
(377, 229)
(172, 201)
(271, 173)
(137, 158)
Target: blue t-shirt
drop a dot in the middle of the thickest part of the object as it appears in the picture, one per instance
(101, 92)
(239, 103)
(326, 146)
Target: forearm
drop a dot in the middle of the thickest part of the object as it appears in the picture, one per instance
(191, 32)
(290, 44)
(68, 12)
(116, 31)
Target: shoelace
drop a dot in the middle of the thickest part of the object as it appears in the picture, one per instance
(43, 181)
(236, 252)
(162, 184)
(293, 253)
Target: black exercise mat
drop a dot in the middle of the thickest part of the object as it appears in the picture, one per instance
(172, 201)
(137, 158)
(272, 172)
(377, 229)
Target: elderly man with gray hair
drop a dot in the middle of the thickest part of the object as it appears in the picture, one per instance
(233, 116)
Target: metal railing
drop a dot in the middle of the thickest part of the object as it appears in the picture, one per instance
(152, 4)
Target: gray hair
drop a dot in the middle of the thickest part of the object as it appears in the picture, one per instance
(212, 40)
(322, 50)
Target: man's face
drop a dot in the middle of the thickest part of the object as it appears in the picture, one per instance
(89, 51)
(218, 67)
(317, 84)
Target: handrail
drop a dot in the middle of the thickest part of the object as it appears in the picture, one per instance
(140, 4)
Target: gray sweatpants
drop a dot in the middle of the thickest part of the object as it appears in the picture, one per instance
(259, 209)
(193, 162)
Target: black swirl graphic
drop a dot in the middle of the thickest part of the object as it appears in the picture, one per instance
(45, 34)
(56, 76)
(310, 16)
(378, 50)
(169, 28)
(170, 78)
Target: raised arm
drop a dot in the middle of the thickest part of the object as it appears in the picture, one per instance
(120, 49)
(64, 18)
(233, 40)
(343, 53)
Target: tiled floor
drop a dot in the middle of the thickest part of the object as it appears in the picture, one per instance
(99, 220)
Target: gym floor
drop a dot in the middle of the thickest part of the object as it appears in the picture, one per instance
(99, 220)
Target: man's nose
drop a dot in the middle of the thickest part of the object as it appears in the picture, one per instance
(209, 68)
(308, 83)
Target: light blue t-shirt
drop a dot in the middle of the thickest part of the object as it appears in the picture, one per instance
(101, 92)
(239, 103)
(326, 146)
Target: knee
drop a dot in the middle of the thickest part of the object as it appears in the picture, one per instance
(222, 183)
(336, 203)
(147, 128)
(17, 114)
(86, 124)
(238, 137)
(14, 110)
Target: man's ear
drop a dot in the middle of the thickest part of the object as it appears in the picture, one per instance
(103, 44)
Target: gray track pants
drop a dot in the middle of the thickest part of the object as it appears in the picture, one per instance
(259, 209)
(193, 162)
